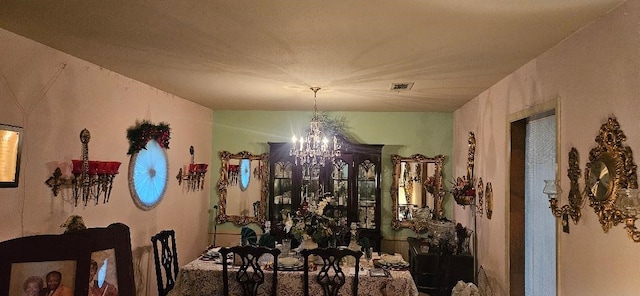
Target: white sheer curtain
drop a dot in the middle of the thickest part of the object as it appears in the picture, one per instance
(540, 225)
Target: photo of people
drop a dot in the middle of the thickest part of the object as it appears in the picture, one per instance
(98, 286)
(47, 278)
(103, 280)
(33, 286)
(54, 285)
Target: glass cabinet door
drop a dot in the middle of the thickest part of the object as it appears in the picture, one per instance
(282, 180)
(339, 189)
(311, 190)
(367, 184)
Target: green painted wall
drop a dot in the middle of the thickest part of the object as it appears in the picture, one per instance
(402, 133)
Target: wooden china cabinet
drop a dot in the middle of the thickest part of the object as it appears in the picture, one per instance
(352, 180)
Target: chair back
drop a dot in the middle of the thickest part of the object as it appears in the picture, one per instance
(166, 260)
(331, 277)
(249, 275)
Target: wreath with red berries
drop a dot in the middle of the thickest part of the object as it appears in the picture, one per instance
(139, 134)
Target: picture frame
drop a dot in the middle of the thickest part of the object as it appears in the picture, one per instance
(39, 255)
(10, 149)
(70, 254)
(111, 252)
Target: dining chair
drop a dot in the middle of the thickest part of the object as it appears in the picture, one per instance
(330, 277)
(166, 259)
(249, 275)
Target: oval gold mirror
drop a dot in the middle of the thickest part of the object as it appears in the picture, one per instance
(609, 169)
(417, 190)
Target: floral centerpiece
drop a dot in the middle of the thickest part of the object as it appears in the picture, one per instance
(310, 223)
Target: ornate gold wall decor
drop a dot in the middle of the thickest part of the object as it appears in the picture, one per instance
(489, 196)
(412, 203)
(610, 168)
(480, 202)
(575, 196)
(238, 204)
(463, 189)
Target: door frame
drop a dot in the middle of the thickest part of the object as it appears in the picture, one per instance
(531, 112)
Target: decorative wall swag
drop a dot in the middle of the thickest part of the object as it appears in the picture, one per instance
(139, 134)
(91, 179)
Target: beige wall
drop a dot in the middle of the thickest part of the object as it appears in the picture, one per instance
(594, 74)
(54, 96)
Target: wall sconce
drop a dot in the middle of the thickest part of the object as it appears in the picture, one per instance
(90, 178)
(628, 203)
(194, 177)
(552, 189)
(576, 200)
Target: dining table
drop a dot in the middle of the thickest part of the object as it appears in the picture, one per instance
(203, 276)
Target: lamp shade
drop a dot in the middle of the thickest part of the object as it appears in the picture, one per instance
(628, 201)
(551, 188)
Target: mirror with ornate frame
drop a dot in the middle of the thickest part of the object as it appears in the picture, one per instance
(242, 188)
(417, 189)
(609, 169)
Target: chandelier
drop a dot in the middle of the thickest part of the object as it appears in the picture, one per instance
(315, 148)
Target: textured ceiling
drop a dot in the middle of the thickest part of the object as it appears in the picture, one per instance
(264, 55)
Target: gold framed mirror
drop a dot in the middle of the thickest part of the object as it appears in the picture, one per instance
(417, 189)
(609, 169)
(243, 188)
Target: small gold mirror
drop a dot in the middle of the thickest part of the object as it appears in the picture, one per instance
(609, 169)
(243, 188)
(417, 189)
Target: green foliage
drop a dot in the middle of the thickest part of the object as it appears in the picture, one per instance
(143, 131)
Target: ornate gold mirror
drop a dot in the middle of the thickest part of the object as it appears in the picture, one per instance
(242, 188)
(609, 169)
(417, 190)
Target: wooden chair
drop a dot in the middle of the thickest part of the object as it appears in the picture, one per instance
(331, 278)
(166, 260)
(249, 275)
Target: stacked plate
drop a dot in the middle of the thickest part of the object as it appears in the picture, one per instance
(211, 255)
(391, 262)
(290, 263)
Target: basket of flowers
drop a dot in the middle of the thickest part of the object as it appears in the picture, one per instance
(463, 191)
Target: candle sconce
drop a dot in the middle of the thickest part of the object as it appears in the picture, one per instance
(194, 176)
(91, 179)
(576, 200)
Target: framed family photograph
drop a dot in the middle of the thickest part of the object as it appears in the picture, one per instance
(40, 264)
(90, 262)
(111, 264)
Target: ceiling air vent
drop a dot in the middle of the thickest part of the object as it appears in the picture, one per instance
(401, 86)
